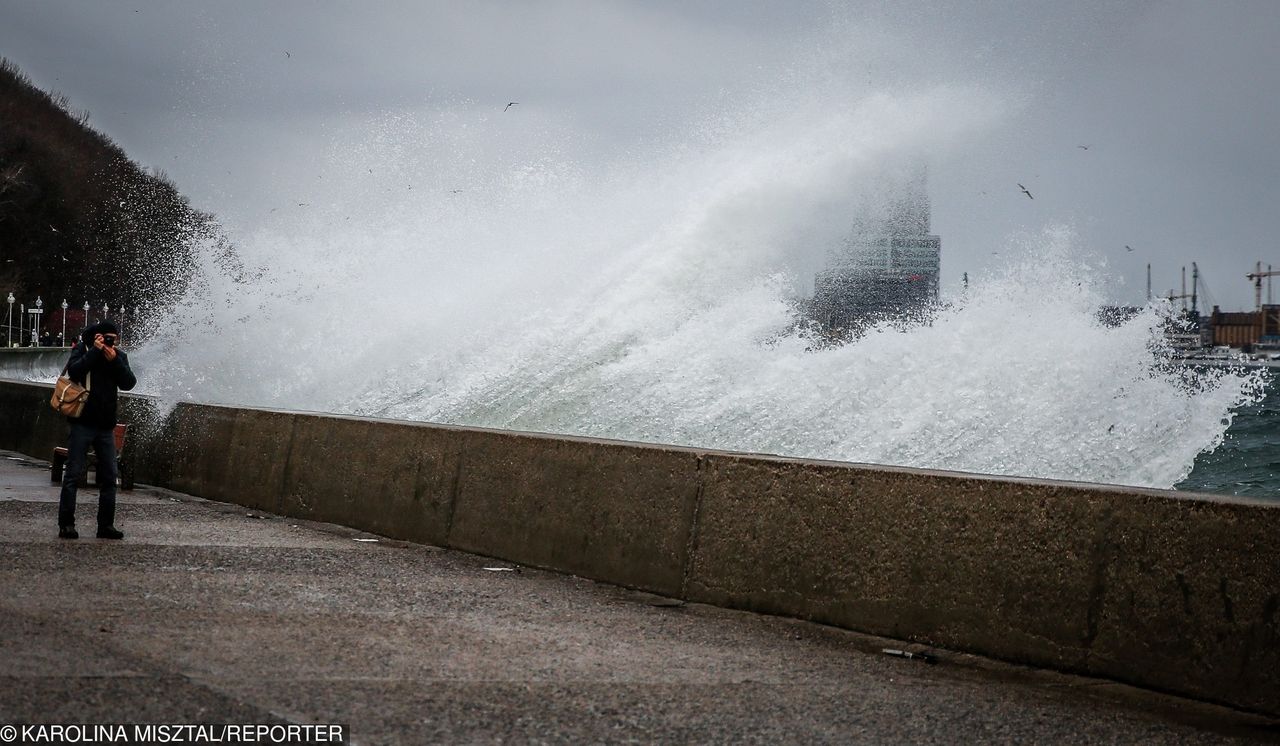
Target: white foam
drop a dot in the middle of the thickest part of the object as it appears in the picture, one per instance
(650, 299)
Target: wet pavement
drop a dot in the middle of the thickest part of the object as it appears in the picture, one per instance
(210, 612)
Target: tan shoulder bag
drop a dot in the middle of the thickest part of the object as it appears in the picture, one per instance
(69, 397)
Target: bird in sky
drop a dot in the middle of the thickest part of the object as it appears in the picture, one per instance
(511, 104)
(1024, 191)
(455, 191)
(1127, 247)
(1083, 147)
(286, 54)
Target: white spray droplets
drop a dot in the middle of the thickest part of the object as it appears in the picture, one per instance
(651, 300)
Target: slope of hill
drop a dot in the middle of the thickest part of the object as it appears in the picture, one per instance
(78, 219)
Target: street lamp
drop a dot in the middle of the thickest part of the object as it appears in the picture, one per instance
(37, 315)
(63, 338)
(86, 314)
(10, 340)
(122, 324)
(22, 314)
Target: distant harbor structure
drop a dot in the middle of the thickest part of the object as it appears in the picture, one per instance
(889, 265)
(1223, 337)
(1245, 330)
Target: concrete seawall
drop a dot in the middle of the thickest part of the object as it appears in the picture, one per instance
(1171, 591)
(28, 363)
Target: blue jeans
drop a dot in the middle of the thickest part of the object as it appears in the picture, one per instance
(104, 444)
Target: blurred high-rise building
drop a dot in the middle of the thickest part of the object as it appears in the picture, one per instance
(889, 264)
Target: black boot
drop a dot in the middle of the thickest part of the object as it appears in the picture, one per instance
(67, 532)
(110, 532)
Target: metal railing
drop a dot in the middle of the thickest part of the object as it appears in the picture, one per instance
(30, 328)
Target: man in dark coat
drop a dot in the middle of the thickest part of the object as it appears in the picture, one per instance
(98, 365)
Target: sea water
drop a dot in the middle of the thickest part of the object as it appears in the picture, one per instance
(1248, 460)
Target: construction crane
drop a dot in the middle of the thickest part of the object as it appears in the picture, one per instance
(1257, 276)
(1183, 296)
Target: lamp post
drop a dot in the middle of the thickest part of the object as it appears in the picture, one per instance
(9, 342)
(63, 338)
(22, 314)
(86, 314)
(37, 315)
(122, 324)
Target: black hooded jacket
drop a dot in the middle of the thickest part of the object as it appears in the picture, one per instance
(108, 377)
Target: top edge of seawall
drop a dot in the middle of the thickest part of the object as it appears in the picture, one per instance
(1100, 487)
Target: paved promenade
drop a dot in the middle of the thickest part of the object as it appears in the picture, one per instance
(209, 612)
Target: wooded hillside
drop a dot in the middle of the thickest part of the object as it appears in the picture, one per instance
(78, 219)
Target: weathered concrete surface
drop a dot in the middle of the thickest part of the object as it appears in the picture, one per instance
(27, 423)
(603, 510)
(415, 470)
(211, 612)
(1145, 586)
(236, 455)
(1160, 589)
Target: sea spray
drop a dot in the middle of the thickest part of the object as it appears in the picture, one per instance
(449, 280)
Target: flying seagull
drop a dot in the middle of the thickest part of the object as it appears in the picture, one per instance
(511, 104)
(1024, 191)
(1127, 247)
(286, 54)
(454, 191)
(1083, 147)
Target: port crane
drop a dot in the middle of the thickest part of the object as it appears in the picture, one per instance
(1268, 318)
(1257, 276)
(1183, 296)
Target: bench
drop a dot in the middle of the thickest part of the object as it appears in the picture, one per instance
(123, 468)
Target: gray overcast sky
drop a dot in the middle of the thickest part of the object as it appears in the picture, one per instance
(1176, 101)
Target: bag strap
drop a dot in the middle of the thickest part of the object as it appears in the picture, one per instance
(87, 375)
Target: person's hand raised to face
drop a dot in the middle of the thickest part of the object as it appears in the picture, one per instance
(106, 343)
